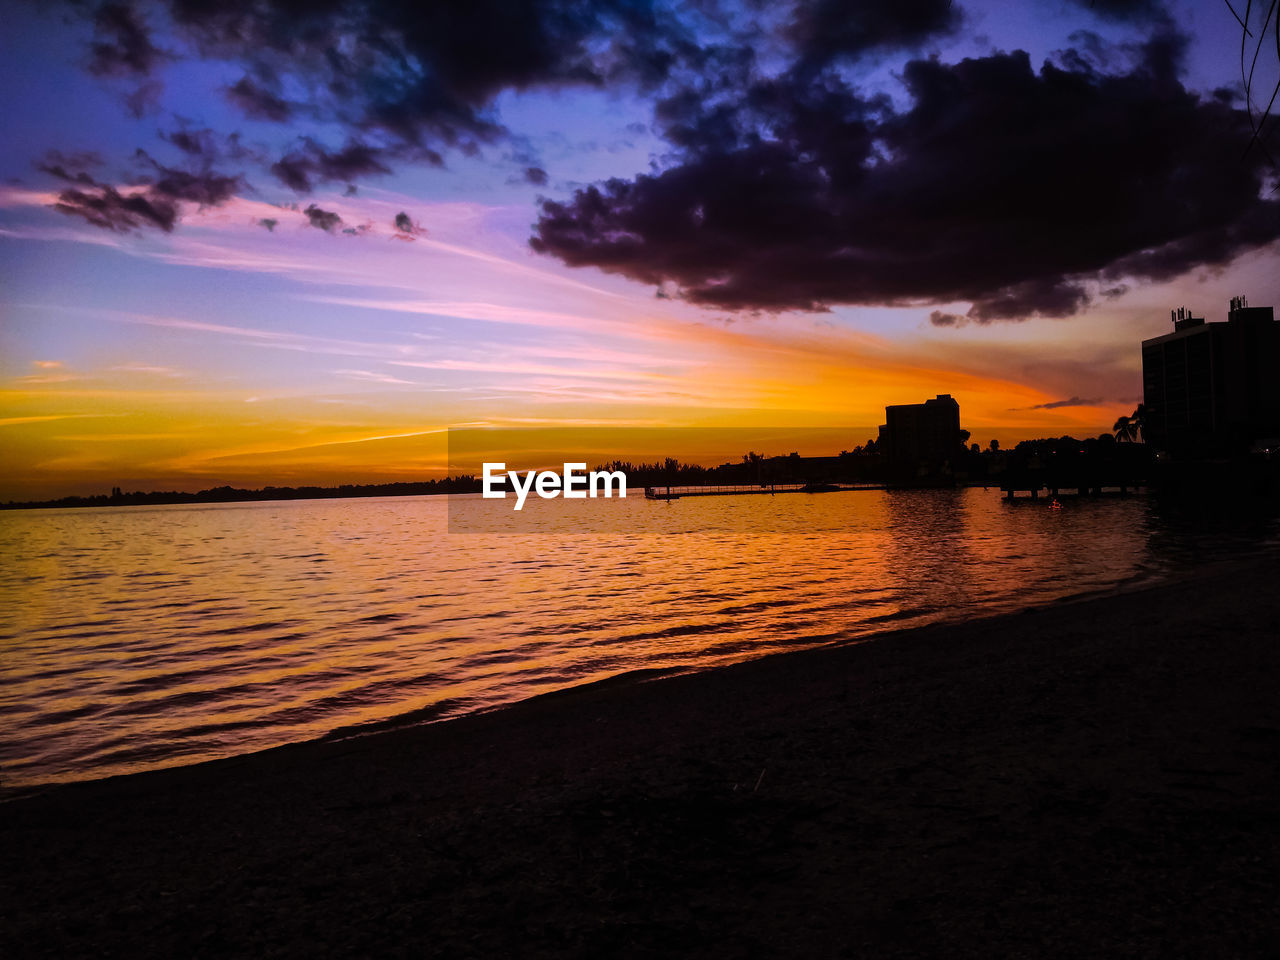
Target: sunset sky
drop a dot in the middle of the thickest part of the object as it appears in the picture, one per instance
(244, 244)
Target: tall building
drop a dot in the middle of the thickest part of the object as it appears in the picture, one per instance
(921, 436)
(1213, 389)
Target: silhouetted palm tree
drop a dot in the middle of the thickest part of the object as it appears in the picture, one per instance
(1138, 421)
(1125, 430)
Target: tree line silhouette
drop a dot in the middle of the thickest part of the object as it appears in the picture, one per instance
(863, 464)
(229, 494)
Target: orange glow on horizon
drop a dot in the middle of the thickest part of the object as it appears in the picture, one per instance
(334, 385)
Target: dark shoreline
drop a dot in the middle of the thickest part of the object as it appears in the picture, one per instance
(155, 498)
(1097, 776)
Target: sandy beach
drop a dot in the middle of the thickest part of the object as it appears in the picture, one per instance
(1099, 777)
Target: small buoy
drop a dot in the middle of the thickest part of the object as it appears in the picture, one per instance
(1055, 505)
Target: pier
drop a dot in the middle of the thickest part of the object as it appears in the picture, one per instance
(1012, 489)
(751, 489)
(1033, 488)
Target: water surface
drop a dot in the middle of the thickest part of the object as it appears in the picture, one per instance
(142, 637)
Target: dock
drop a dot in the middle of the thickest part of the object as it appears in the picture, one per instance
(1012, 489)
(1053, 489)
(752, 489)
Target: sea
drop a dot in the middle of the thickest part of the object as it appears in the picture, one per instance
(134, 638)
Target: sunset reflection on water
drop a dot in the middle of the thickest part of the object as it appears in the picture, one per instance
(144, 637)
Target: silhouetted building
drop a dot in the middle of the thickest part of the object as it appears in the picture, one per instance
(1213, 389)
(921, 436)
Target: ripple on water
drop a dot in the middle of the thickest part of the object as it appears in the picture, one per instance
(175, 634)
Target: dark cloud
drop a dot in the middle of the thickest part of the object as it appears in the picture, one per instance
(205, 187)
(311, 164)
(56, 166)
(1043, 296)
(256, 102)
(827, 30)
(940, 319)
(1011, 189)
(154, 198)
(406, 228)
(1007, 188)
(104, 206)
(207, 147)
(75, 160)
(122, 43)
(1073, 402)
(325, 220)
(270, 223)
(1126, 10)
(196, 143)
(144, 99)
(406, 82)
(413, 73)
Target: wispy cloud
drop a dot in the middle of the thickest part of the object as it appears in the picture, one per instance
(48, 378)
(374, 377)
(270, 449)
(97, 238)
(516, 367)
(280, 339)
(230, 236)
(149, 369)
(14, 421)
(123, 437)
(1058, 404)
(11, 197)
(467, 310)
